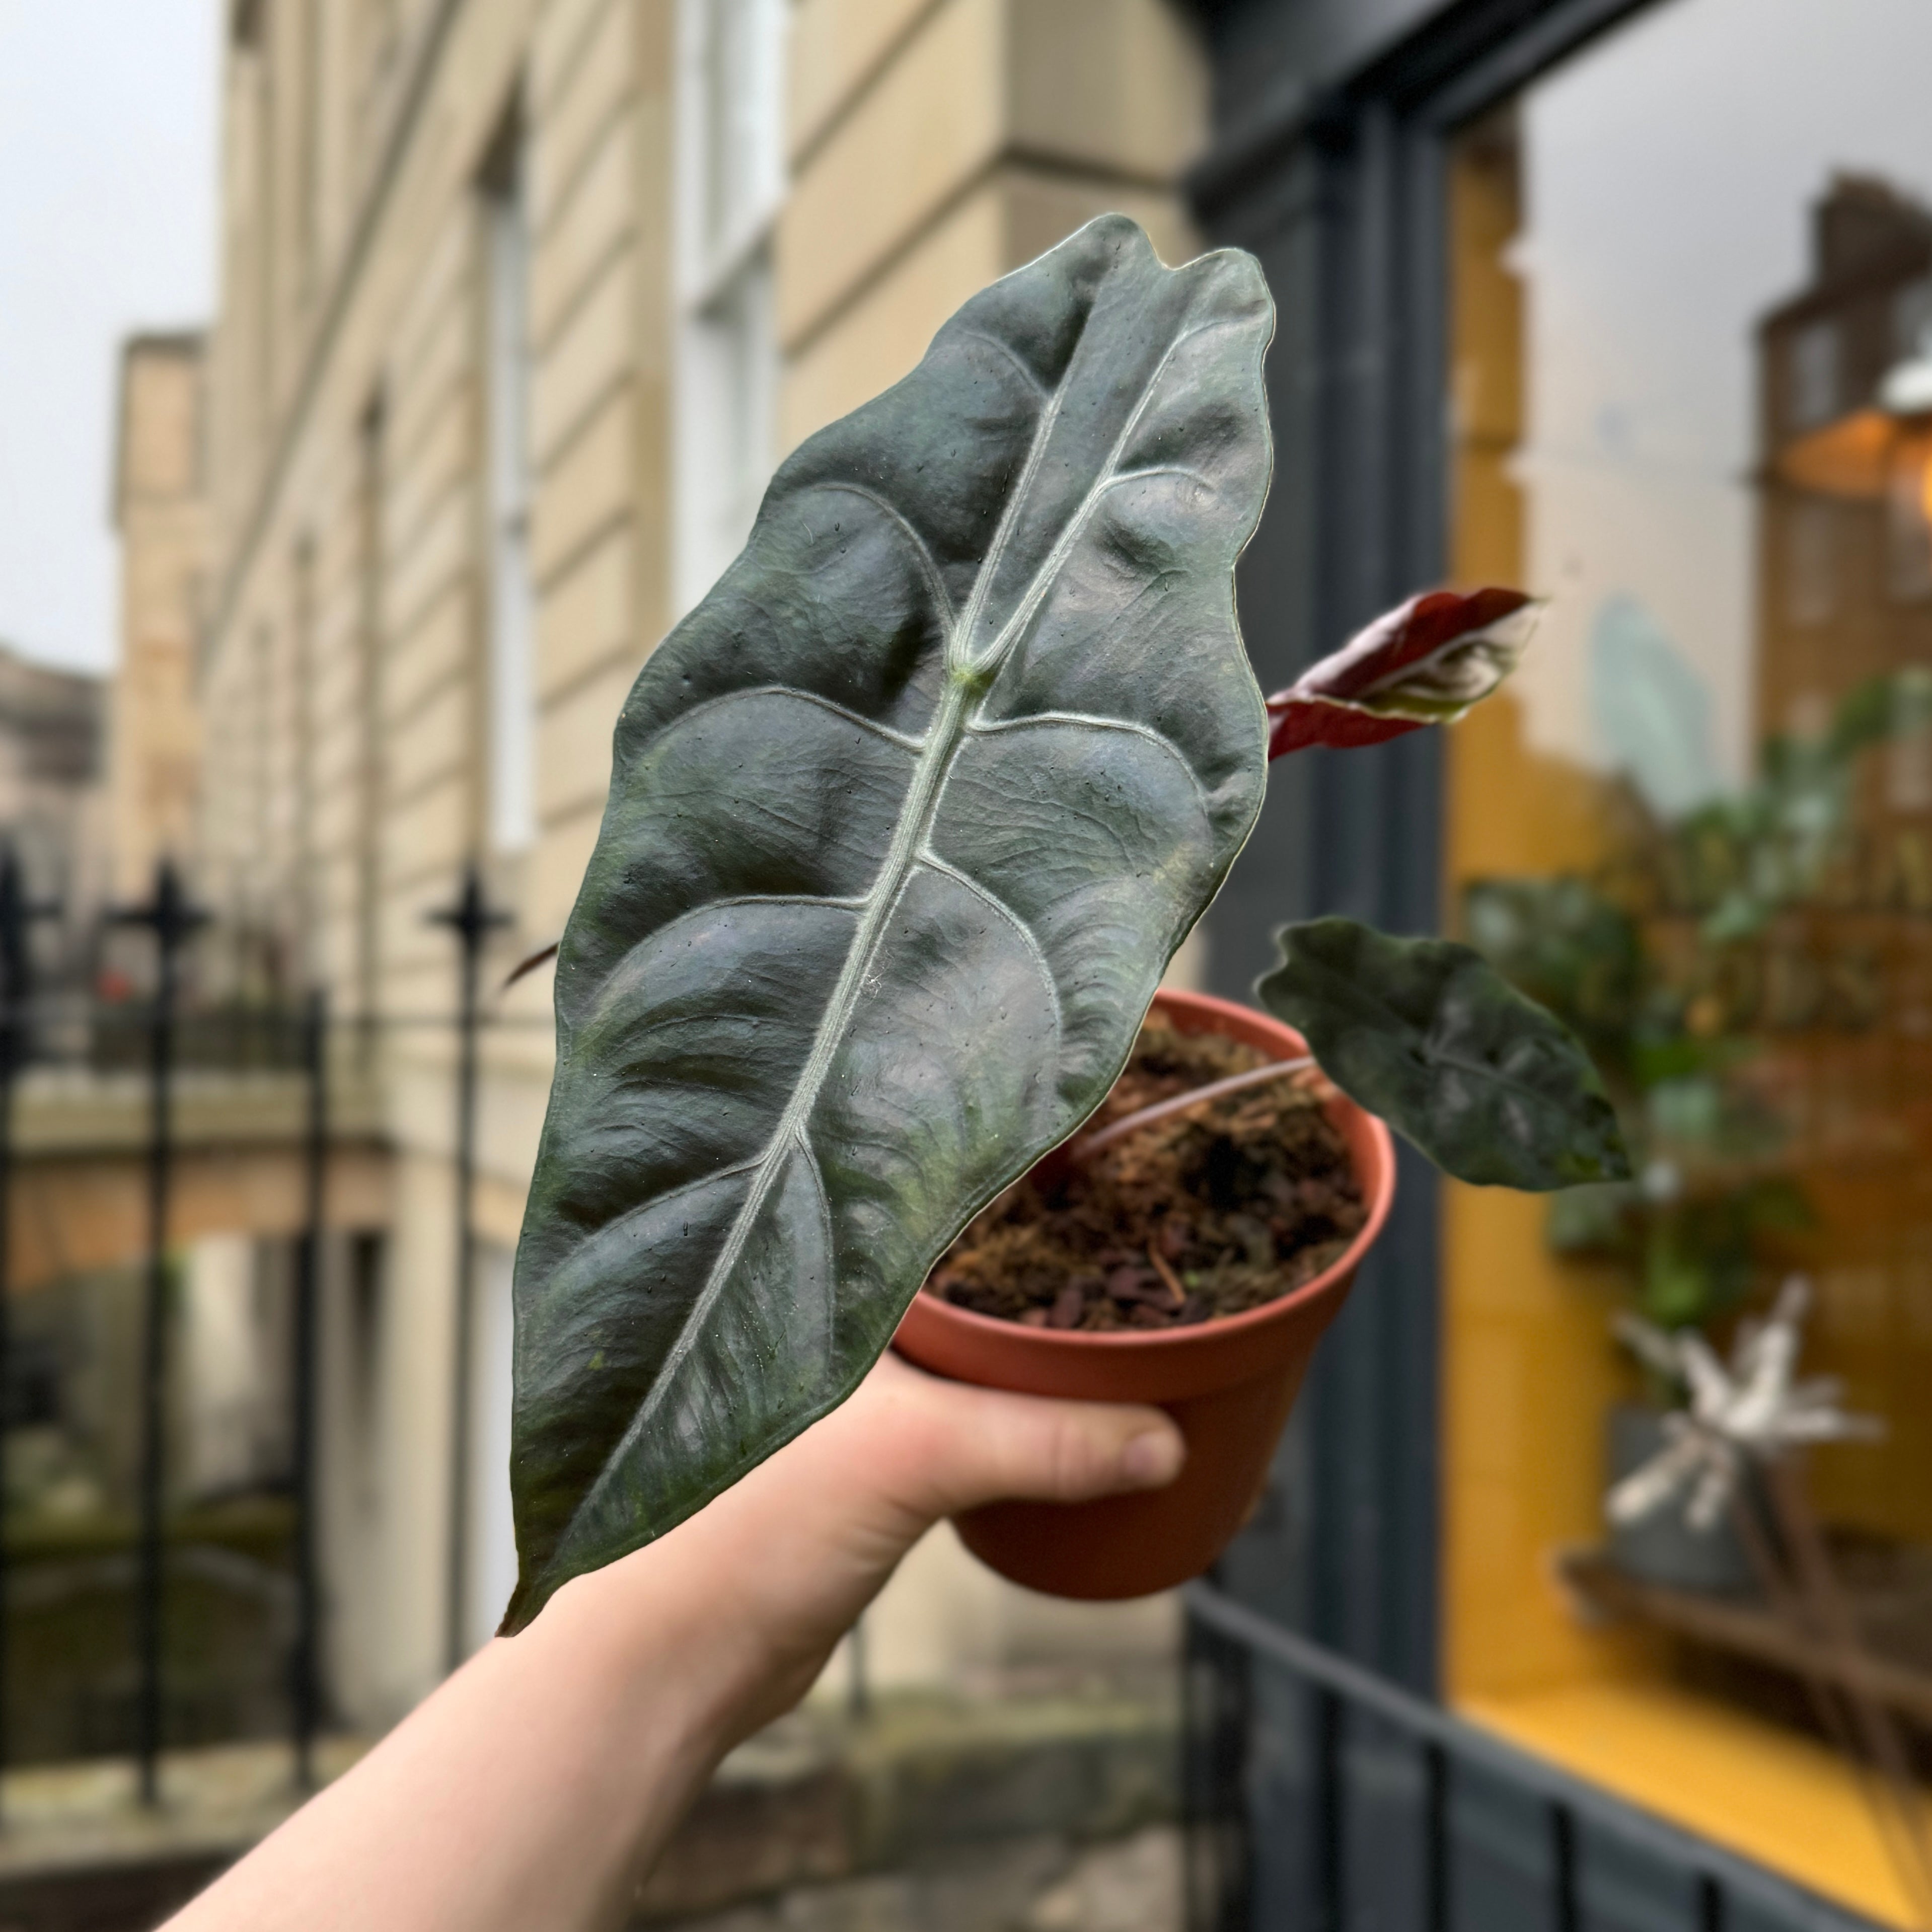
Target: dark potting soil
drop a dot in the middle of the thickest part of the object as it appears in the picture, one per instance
(1209, 1213)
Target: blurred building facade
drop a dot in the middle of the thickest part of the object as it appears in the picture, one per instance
(522, 300)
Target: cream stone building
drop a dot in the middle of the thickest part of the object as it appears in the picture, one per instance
(522, 300)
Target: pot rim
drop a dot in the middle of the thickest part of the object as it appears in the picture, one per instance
(1209, 1007)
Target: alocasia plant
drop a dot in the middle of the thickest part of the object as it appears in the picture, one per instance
(906, 820)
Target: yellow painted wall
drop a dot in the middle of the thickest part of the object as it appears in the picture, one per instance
(1765, 1793)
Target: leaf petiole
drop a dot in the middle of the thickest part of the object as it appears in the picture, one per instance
(1087, 1146)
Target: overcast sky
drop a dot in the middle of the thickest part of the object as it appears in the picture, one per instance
(107, 204)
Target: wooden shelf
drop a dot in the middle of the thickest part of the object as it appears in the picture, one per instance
(1895, 1612)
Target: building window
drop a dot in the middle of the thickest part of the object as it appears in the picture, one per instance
(305, 896)
(370, 562)
(1811, 395)
(1810, 563)
(378, 30)
(732, 170)
(309, 154)
(1911, 317)
(512, 702)
(374, 39)
(256, 178)
(491, 1534)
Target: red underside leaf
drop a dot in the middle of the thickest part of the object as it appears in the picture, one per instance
(1297, 723)
(1425, 663)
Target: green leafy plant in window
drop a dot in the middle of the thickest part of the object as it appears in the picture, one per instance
(1714, 1196)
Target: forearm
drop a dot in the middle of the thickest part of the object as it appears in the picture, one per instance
(533, 1789)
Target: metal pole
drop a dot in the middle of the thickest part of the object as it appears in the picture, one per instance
(154, 1344)
(17, 913)
(471, 918)
(305, 1674)
(171, 919)
(858, 1679)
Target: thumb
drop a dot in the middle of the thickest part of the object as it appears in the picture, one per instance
(979, 1445)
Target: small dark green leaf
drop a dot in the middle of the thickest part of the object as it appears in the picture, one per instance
(1430, 1037)
(906, 820)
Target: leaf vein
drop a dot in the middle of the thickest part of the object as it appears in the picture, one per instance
(1011, 355)
(1093, 722)
(614, 982)
(929, 563)
(904, 740)
(1036, 952)
(1169, 469)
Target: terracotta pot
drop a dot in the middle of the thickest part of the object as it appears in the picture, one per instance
(1229, 1384)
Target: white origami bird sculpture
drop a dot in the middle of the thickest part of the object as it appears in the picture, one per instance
(1753, 1408)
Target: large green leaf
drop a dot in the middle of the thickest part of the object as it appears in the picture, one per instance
(1426, 1034)
(907, 819)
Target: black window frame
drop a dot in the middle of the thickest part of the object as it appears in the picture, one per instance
(1336, 179)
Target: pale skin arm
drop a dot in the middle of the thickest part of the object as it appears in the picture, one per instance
(537, 1786)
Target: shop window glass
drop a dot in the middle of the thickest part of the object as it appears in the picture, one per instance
(1693, 405)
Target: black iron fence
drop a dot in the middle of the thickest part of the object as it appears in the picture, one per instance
(1323, 1797)
(151, 1558)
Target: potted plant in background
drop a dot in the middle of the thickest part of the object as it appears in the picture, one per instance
(906, 821)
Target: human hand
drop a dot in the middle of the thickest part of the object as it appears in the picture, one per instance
(785, 1560)
(536, 1786)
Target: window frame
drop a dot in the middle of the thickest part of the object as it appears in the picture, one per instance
(507, 245)
(723, 298)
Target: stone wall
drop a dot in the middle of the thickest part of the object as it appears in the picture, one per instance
(1047, 1813)
(1050, 1812)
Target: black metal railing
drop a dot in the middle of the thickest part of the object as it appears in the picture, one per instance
(1322, 1798)
(147, 1555)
